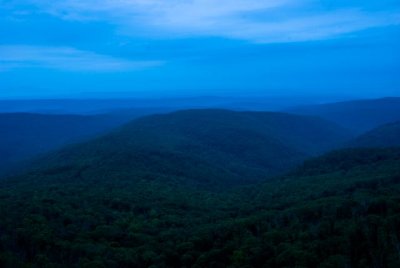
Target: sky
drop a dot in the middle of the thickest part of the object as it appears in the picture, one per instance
(158, 48)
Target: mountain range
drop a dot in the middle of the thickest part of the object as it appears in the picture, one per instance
(202, 146)
(204, 188)
(24, 135)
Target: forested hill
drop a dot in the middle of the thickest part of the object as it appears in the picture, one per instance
(383, 136)
(358, 115)
(339, 210)
(25, 135)
(200, 147)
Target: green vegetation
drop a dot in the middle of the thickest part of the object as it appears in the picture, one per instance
(201, 147)
(339, 210)
(194, 189)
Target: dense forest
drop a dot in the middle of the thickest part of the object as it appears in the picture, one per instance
(201, 147)
(201, 188)
(338, 210)
(173, 191)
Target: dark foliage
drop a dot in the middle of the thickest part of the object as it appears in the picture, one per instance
(201, 147)
(140, 197)
(340, 210)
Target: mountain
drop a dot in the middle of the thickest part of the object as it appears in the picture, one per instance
(110, 104)
(387, 135)
(25, 135)
(81, 106)
(201, 147)
(358, 115)
(338, 210)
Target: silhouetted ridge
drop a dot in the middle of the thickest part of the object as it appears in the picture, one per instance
(202, 146)
(25, 135)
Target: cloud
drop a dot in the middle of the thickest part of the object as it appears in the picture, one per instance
(313, 27)
(264, 21)
(65, 58)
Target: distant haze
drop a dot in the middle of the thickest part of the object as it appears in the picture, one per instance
(154, 105)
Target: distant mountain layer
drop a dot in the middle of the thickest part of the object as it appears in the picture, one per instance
(339, 210)
(387, 135)
(150, 105)
(359, 115)
(24, 135)
(200, 146)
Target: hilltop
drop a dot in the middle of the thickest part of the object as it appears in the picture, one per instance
(201, 146)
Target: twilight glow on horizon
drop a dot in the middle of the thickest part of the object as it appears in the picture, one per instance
(143, 48)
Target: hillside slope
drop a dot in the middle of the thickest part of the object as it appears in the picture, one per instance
(387, 135)
(339, 210)
(202, 146)
(359, 115)
(25, 135)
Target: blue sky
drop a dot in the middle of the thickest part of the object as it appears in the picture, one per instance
(136, 48)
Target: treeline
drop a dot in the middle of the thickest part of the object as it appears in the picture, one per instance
(339, 210)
